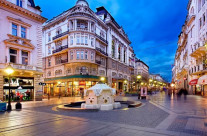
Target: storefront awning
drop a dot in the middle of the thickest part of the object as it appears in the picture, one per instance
(73, 76)
(193, 82)
(202, 80)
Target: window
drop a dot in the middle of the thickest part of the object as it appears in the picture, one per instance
(58, 72)
(82, 39)
(25, 56)
(58, 44)
(86, 40)
(49, 74)
(82, 55)
(71, 55)
(77, 55)
(119, 53)
(58, 59)
(86, 55)
(78, 40)
(92, 56)
(124, 55)
(113, 49)
(13, 55)
(204, 19)
(102, 61)
(68, 71)
(200, 21)
(49, 62)
(71, 40)
(59, 31)
(49, 37)
(14, 29)
(23, 32)
(19, 3)
(92, 42)
(49, 49)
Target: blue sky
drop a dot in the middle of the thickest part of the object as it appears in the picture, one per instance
(153, 26)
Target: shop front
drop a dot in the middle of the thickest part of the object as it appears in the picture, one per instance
(195, 89)
(202, 82)
(22, 88)
(70, 86)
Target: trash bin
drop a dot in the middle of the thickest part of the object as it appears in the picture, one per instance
(2, 106)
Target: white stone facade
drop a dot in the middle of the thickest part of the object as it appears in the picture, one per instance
(190, 59)
(80, 46)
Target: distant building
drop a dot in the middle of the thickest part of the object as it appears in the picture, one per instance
(21, 47)
(81, 47)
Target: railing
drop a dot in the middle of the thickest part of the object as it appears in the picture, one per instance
(197, 45)
(60, 35)
(81, 29)
(64, 61)
(101, 51)
(102, 39)
(198, 68)
(60, 49)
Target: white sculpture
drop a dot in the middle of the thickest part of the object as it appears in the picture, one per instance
(100, 97)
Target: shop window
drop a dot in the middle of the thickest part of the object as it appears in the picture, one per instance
(23, 32)
(25, 57)
(13, 55)
(14, 29)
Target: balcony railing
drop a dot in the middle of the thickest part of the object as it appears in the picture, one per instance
(60, 35)
(64, 61)
(81, 29)
(198, 68)
(101, 51)
(102, 39)
(60, 49)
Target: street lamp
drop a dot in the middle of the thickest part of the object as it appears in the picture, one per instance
(102, 79)
(9, 70)
(139, 77)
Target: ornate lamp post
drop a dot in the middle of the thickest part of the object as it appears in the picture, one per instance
(139, 77)
(9, 70)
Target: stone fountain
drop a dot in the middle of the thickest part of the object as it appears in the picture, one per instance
(100, 96)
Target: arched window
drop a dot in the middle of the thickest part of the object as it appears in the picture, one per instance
(58, 72)
(84, 70)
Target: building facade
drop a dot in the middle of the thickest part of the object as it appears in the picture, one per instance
(190, 68)
(81, 47)
(21, 47)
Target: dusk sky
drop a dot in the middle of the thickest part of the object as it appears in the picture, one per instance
(153, 26)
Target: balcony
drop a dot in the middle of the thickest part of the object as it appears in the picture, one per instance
(60, 49)
(198, 50)
(64, 61)
(102, 39)
(60, 35)
(101, 51)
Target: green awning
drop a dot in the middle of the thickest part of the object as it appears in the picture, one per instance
(73, 76)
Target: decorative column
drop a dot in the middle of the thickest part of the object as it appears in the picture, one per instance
(75, 24)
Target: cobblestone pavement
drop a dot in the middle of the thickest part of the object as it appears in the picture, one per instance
(187, 116)
(160, 116)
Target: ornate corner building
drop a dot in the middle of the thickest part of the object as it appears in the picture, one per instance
(21, 47)
(81, 47)
(190, 68)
